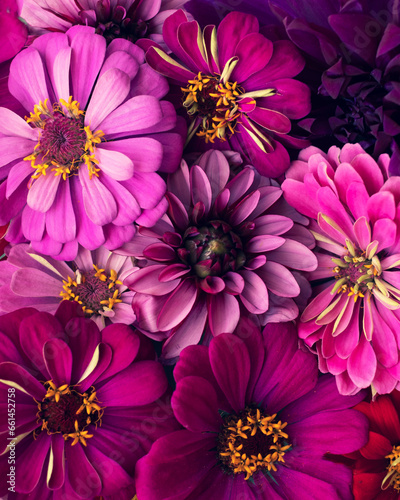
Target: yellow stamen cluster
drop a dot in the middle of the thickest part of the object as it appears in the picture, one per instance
(249, 431)
(78, 436)
(41, 159)
(216, 103)
(54, 392)
(392, 478)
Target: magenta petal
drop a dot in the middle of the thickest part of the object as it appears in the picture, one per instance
(99, 203)
(18, 375)
(58, 358)
(43, 192)
(362, 364)
(31, 471)
(254, 52)
(178, 305)
(362, 231)
(57, 477)
(146, 281)
(115, 164)
(202, 417)
(200, 188)
(227, 350)
(271, 120)
(295, 255)
(264, 243)
(223, 313)
(28, 282)
(255, 294)
(279, 279)
(60, 219)
(79, 466)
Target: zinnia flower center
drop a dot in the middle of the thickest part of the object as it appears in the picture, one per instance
(64, 142)
(393, 475)
(251, 441)
(358, 271)
(96, 291)
(212, 250)
(65, 410)
(215, 102)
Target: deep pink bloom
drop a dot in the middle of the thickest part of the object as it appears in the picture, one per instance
(354, 319)
(129, 19)
(13, 33)
(94, 280)
(258, 424)
(88, 404)
(223, 245)
(237, 86)
(83, 168)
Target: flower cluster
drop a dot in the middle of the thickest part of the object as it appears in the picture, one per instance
(199, 250)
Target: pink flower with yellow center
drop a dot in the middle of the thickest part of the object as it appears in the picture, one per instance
(354, 318)
(237, 86)
(81, 167)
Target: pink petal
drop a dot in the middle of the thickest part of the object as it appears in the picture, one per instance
(115, 164)
(178, 305)
(99, 203)
(43, 192)
(223, 313)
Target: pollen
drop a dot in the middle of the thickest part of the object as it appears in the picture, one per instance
(392, 478)
(64, 144)
(252, 441)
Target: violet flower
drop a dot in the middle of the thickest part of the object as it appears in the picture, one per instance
(87, 404)
(257, 421)
(224, 244)
(354, 319)
(237, 86)
(82, 167)
(94, 280)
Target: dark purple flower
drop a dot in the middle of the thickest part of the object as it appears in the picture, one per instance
(356, 44)
(224, 244)
(236, 86)
(129, 19)
(354, 318)
(86, 403)
(83, 166)
(258, 424)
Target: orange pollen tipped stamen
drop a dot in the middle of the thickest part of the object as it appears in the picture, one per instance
(64, 143)
(392, 477)
(216, 103)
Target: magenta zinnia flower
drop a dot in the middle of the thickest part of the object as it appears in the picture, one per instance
(94, 280)
(354, 319)
(82, 168)
(13, 33)
(129, 19)
(237, 85)
(223, 244)
(81, 398)
(258, 423)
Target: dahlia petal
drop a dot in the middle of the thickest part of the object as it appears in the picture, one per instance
(110, 91)
(13, 125)
(58, 359)
(79, 466)
(88, 52)
(177, 211)
(139, 384)
(232, 29)
(99, 203)
(204, 415)
(167, 66)
(384, 231)
(161, 252)
(146, 281)
(173, 272)
(43, 191)
(255, 263)
(295, 255)
(27, 81)
(145, 153)
(271, 120)
(178, 305)
(286, 62)
(138, 113)
(234, 283)
(223, 313)
(226, 350)
(56, 472)
(243, 209)
(33, 223)
(279, 280)
(60, 218)
(190, 40)
(216, 167)
(212, 284)
(28, 282)
(200, 188)
(254, 52)
(31, 471)
(239, 185)
(362, 364)
(264, 243)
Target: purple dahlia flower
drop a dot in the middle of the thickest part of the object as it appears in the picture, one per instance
(222, 244)
(237, 86)
(258, 423)
(356, 44)
(129, 19)
(82, 167)
(354, 319)
(94, 280)
(87, 404)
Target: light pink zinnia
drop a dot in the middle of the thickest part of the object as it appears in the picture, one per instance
(225, 248)
(83, 168)
(354, 319)
(93, 279)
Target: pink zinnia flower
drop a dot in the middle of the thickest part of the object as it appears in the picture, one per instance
(225, 245)
(129, 19)
(258, 424)
(82, 167)
(82, 398)
(94, 280)
(354, 319)
(237, 86)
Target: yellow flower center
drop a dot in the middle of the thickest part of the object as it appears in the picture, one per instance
(64, 142)
(251, 441)
(393, 476)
